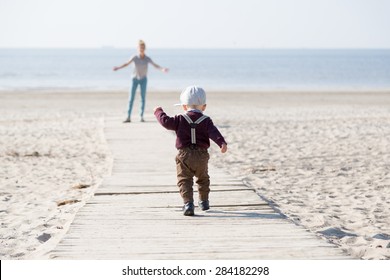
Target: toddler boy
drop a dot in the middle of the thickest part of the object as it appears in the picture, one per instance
(193, 131)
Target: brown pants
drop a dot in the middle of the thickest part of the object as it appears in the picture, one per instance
(190, 163)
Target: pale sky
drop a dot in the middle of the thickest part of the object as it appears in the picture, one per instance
(195, 23)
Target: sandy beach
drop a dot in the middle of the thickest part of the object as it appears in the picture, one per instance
(320, 158)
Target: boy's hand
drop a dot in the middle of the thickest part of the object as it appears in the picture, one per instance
(223, 148)
(157, 108)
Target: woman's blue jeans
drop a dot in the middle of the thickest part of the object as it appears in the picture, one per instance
(142, 83)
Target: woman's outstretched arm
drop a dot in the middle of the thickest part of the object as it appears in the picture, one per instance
(159, 67)
(124, 65)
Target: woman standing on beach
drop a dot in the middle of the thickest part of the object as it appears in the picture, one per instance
(141, 62)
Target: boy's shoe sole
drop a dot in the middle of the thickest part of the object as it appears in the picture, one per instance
(188, 209)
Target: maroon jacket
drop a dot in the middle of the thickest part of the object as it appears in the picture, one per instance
(204, 131)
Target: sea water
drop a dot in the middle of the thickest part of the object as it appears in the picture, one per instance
(213, 69)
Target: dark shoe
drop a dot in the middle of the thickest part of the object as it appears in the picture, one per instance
(127, 120)
(188, 209)
(142, 119)
(204, 205)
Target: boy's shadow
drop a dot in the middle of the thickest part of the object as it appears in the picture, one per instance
(218, 214)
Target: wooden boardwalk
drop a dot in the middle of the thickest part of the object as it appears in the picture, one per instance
(136, 212)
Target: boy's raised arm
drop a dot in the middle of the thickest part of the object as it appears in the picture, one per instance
(166, 121)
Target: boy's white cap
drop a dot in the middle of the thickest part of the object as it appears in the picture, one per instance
(193, 95)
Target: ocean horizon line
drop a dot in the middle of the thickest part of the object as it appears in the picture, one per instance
(203, 48)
